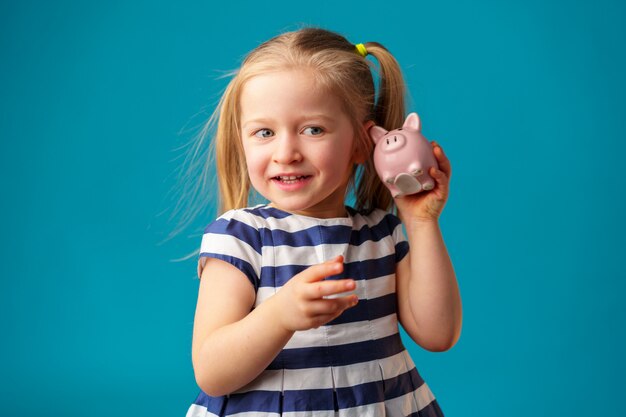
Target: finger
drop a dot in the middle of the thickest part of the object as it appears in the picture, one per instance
(438, 175)
(318, 272)
(332, 307)
(442, 159)
(323, 319)
(441, 189)
(326, 288)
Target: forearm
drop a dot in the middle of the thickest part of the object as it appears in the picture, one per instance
(434, 296)
(235, 354)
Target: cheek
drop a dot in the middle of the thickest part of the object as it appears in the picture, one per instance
(338, 159)
(253, 163)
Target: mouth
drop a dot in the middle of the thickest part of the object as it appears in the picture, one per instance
(290, 179)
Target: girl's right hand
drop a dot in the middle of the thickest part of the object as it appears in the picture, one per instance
(301, 302)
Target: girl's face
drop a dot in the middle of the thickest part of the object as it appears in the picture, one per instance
(298, 143)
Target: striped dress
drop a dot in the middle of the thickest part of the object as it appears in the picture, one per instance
(355, 365)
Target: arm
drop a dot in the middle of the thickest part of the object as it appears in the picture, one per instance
(428, 294)
(233, 345)
(429, 303)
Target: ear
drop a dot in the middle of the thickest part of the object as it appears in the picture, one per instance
(376, 133)
(368, 124)
(412, 121)
(360, 156)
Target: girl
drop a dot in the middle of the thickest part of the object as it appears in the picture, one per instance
(300, 299)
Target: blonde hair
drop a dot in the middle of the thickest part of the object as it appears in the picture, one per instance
(337, 68)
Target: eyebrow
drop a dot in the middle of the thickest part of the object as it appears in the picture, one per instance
(266, 120)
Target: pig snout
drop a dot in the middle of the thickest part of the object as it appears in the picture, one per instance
(393, 143)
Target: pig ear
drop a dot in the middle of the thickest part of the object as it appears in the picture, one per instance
(377, 132)
(412, 121)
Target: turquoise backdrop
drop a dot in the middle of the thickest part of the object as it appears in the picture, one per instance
(527, 97)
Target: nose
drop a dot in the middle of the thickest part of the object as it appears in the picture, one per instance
(287, 149)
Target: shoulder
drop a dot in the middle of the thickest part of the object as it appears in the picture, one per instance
(234, 237)
(258, 217)
(241, 222)
(230, 218)
(234, 227)
(249, 225)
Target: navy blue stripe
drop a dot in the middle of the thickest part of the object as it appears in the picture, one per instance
(315, 399)
(368, 393)
(240, 264)
(214, 405)
(313, 236)
(308, 237)
(264, 401)
(431, 410)
(277, 276)
(341, 234)
(372, 309)
(237, 231)
(339, 355)
(377, 391)
(382, 229)
(402, 384)
(402, 248)
(416, 378)
(308, 400)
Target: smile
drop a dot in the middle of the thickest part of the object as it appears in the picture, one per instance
(290, 179)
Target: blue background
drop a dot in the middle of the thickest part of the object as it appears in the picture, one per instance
(526, 97)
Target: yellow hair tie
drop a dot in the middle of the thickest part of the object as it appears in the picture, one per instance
(360, 48)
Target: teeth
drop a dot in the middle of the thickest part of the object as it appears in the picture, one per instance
(289, 178)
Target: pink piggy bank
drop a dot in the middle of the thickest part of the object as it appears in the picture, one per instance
(403, 157)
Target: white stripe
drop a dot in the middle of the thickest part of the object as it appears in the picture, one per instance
(410, 403)
(242, 217)
(293, 224)
(268, 380)
(226, 245)
(324, 413)
(398, 234)
(341, 334)
(361, 373)
(322, 378)
(368, 410)
(199, 411)
(423, 396)
(254, 414)
(401, 406)
(311, 255)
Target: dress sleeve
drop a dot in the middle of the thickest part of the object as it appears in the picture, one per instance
(233, 238)
(397, 234)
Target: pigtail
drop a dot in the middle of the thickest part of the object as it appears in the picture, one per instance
(388, 112)
(232, 173)
(389, 109)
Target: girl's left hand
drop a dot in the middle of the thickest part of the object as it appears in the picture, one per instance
(428, 205)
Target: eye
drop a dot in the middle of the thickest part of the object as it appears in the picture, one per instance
(263, 133)
(313, 131)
